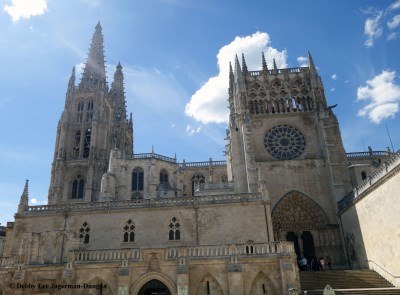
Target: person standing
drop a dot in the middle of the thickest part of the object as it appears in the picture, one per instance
(329, 262)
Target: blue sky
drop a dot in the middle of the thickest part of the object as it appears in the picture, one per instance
(175, 57)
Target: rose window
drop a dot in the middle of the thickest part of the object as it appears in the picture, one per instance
(285, 142)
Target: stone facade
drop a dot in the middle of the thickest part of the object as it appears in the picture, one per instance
(371, 224)
(129, 223)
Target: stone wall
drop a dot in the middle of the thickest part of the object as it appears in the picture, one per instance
(371, 222)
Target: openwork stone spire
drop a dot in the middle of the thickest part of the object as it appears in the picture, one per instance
(264, 63)
(94, 74)
(117, 94)
(275, 67)
(244, 65)
(23, 202)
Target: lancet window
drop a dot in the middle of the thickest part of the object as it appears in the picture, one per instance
(174, 231)
(84, 233)
(80, 111)
(129, 231)
(163, 176)
(198, 182)
(86, 144)
(78, 187)
(89, 115)
(137, 179)
(77, 143)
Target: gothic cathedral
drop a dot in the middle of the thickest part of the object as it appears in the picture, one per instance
(119, 222)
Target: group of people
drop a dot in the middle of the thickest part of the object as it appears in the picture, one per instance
(315, 264)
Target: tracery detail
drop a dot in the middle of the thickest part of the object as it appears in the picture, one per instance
(284, 142)
(84, 233)
(129, 231)
(174, 232)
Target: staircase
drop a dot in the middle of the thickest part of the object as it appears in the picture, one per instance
(360, 282)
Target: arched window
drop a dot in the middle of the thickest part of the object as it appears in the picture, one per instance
(198, 182)
(129, 231)
(174, 233)
(86, 145)
(137, 179)
(80, 106)
(363, 175)
(250, 247)
(89, 115)
(163, 176)
(84, 232)
(77, 143)
(78, 187)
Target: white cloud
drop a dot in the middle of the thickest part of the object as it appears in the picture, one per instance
(191, 130)
(303, 61)
(209, 103)
(383, 95)
(334, 77)
(394, 22)
(372, 29)
(34, 201)
(394, 5)
(25, 8)
(392, 36)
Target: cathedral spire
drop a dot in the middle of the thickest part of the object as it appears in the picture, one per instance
(244, 66)
(275, 67)
(263, 62)
(313, 71)
(238, 75)
(23, 202)
(71, 83)
(94, 74)
(117, 94)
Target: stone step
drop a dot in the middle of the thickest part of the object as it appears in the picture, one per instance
(360, 291)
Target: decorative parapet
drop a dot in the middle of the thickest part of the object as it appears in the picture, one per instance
(184, 164)
(154, 156)
(385, 169)
(12, 261)
(144, 203)
(107, 255)
(240, 250)
(213, 188)
(368, 154)
(202, 164)
(279, 71)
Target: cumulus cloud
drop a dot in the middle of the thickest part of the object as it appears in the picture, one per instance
(209, 103)
(192, 130)
(392, 36)
(372, 29)
(394, 22)
(334, 77)
(395, 5)
(303, 61)
(383, 95)
(25, 8)
(34, 201)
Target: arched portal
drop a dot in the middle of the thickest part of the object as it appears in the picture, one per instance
(298, 218)
(154, 287)
(262, 285)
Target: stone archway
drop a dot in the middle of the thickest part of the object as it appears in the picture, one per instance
(209, 285)
(262, 285)
(297, 216)
(137, 286)
(97, 286)
(154, 287)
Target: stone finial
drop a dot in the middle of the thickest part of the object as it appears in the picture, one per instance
(23, 202)
(275, 67)
(244, 66)
(264, 63)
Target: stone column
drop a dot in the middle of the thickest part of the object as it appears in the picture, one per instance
(235, 279)
(123, 278)
(182, 278)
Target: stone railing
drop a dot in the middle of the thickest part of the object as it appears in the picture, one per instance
(202, 164)
(279, 71)
(12, 261)
(240, 250)
(229, 185)
(104, 255)
(377, 175)
(154, 156)
(367, 154)
(144, 203)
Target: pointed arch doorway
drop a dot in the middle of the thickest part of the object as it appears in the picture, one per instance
(154, 287)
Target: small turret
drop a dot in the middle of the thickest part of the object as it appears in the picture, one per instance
(275, 67)
(264, 63)
(71, 83)
(24, 200)
(313, 71)
(244, 66)
(239, 79)
(231, 81)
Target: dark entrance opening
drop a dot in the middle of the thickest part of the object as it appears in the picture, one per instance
(292, 237)
(154, 287)
(308, 244)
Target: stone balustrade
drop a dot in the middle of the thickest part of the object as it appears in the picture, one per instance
(376, 176)
(229, 185)
(367, 154)
(12, 261)
(144, 203)
(104, 255)
(241, 250)
(278, 71)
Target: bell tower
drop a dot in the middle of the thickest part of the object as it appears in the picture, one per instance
(92, 123)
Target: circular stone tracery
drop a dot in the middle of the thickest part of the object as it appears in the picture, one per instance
(284, 142)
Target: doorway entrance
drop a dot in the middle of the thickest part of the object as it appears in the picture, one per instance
(154, 287)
